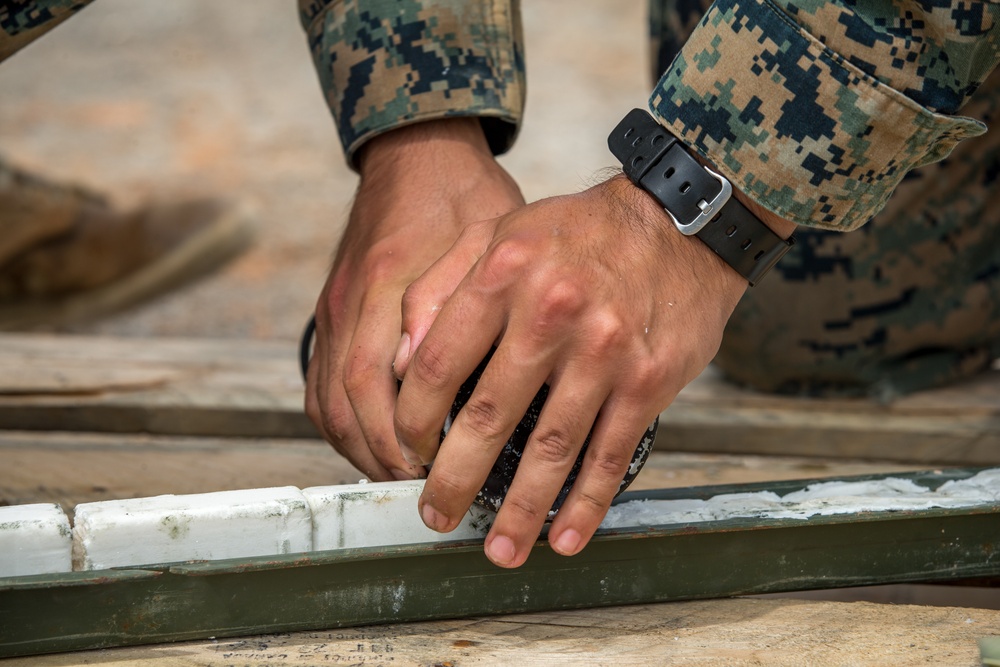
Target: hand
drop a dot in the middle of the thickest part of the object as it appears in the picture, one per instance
(595, 294)
(420, 185)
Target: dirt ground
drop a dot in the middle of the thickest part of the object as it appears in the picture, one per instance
(166, 99)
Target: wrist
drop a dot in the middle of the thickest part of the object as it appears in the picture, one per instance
(639, 210)
(699, 200)
(783, 228)
(420, 146)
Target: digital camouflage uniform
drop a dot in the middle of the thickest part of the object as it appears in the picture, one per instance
(819, 111)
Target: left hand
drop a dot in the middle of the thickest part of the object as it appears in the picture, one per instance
(595, 294)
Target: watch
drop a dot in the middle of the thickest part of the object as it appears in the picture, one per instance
(697, 199)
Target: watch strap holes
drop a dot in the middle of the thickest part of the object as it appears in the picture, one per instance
(685, 186)
(731, 231)
(669, 172)
(760, 253)
(746, 244)
(637, 160)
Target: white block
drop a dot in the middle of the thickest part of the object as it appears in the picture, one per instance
(380, 514)
(34, 539)
(206, 526)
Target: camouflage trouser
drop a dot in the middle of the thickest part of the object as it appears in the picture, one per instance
(909, 301)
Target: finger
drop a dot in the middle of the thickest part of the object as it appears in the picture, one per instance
(456, 344)
(426, 296)
(369, 383)
(478, 434)
(329, 409)
(574, 400)
(618, 430)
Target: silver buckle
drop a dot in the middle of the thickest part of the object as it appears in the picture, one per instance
(709, 209)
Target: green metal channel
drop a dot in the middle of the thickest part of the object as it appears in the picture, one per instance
(333, 589)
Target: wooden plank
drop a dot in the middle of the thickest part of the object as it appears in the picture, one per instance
(168, 386)
(71, 468)
(738, 632)
(252, 389)
(959, 424)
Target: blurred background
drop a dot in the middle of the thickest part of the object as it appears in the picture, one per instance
(174, 99)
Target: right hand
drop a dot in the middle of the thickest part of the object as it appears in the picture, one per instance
(420, 186)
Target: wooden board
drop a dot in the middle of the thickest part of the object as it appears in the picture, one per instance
(71, 468)
(738, 632)
(957, 424)
(168, 386)
(253, 389)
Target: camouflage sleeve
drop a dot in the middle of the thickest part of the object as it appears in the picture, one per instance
(24, 21)
(818, 109)
(387, 63)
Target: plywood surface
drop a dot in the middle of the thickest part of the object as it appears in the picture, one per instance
(253, 389)
(720, 632)
(70, 468)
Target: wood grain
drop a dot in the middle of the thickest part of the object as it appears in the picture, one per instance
(71, 468)
(252, 389)
(737, 632)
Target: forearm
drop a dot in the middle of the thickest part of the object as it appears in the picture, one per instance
(384, 65)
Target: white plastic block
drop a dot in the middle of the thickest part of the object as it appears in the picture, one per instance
(206, 526)
(380, 514)
(34, 539)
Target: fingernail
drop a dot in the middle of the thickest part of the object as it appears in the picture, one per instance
(411, 456)
(434, 519)
(402, 357)
(501, 551)
(567, 543)
(402, 475)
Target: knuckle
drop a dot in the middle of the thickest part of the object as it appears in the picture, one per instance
(359, 372)
(412, 296)
(607, 332)
(647, 378)
(563, 297)
(484, 416)
(611, 464)
(646, 373)
(523, 508)
(336, 421)
(553, 446)
(505, 260)
(409, 427)
(380, 266)
(589, 500)
(432, 365)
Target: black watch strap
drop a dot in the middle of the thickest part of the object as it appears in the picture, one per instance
(697, 199)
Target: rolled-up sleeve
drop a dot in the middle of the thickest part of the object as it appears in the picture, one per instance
(817, 110)
(383, 64)
(24, 21)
